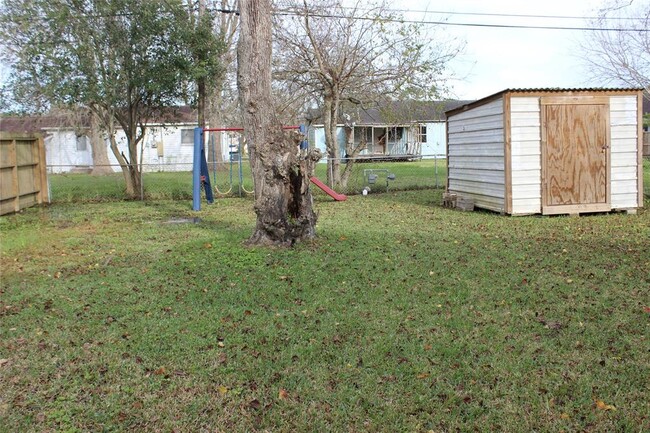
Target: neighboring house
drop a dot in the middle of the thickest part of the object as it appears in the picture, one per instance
(67, 147)
(404, 129)
(168, 144)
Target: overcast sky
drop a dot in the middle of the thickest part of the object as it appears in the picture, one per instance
(495, 59)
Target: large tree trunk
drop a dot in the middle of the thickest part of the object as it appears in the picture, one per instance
(129, 164)
(135, 165)
(352, 151)
(215, 119)
(331, 111)
(101, 163)
(283, 201)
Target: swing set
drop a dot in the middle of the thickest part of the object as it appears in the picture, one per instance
(234, 161)
(201, 175)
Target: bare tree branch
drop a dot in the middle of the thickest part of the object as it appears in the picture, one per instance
(620, 57)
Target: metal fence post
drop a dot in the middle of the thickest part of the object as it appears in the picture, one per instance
(435, 165)
(330, 164)
(196, 170)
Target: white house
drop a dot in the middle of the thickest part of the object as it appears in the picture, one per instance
(166, 146)
(405, 129)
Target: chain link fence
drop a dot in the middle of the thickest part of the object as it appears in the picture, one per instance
(384, 174)
(233, 178)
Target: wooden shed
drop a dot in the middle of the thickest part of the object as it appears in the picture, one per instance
(548, 151)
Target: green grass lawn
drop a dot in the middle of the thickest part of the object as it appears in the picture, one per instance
(79, 187)
(401, 316)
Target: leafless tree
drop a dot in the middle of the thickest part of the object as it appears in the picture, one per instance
(620, 52)
(221, 99)
(361, 54)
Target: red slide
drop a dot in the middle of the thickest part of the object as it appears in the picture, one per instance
(335, 195)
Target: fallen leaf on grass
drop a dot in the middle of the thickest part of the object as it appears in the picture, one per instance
(283, 394)
(160, 371)
(564, 415)
(3, 362)
(646, 309)
(255, 404)
(422, 375)
(223, 390)
(604, 406)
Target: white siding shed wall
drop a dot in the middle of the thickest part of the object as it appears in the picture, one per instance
(476, 155)
(526, 157)
(624, 151)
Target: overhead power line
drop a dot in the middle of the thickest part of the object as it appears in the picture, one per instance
(447, 23)
(286, 12)
(504, 15)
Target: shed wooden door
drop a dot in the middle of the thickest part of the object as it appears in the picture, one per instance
(575, 155)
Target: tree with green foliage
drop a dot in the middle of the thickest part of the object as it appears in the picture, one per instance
(127, 61)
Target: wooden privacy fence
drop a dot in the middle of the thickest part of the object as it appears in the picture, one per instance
(23, 172)
(646, 144)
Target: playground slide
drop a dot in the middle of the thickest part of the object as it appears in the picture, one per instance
(335, 195)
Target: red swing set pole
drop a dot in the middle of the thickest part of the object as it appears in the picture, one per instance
(241, 129)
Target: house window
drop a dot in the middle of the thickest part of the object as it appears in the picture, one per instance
(82, 143)
(187, 137)
(422, 136)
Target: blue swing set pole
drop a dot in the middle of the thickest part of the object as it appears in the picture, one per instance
(196, 169)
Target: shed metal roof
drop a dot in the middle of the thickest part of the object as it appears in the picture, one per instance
(539, 90)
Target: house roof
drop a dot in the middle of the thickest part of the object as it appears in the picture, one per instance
(36, 124)
(392, 113)
(534, 91)
(39, 123)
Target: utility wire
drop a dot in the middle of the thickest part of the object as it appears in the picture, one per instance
(447, 23)
(285, 12)
(503, 15)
